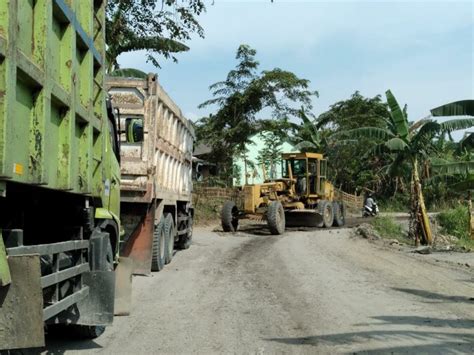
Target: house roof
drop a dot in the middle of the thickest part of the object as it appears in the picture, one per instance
(202, 149)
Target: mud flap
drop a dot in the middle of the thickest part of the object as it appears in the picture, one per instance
(98, 307)
(21, 305)
(123, 287)
(303, 218)
(140, 244)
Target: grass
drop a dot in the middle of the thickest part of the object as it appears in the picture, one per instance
(386, 227)
(208, 210)
(455, 221)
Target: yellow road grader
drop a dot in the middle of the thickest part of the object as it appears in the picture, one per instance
(302, 197)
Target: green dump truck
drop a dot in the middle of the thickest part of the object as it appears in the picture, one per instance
(59, 172)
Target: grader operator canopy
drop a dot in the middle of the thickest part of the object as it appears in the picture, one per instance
(308, 169)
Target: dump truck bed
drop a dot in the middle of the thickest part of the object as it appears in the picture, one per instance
(159, 166)
(52, 101)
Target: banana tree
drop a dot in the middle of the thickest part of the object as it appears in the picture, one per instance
(310, 136)
(463, 171)
(408, 144)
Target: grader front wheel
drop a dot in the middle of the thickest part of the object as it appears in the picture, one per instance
(229, 217)
(276, 218)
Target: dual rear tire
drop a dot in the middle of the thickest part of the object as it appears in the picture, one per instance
(163, 242)
(332, 213)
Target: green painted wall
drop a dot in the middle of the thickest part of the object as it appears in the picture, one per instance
(255, 175)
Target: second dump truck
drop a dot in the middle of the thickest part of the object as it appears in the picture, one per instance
(156, 143)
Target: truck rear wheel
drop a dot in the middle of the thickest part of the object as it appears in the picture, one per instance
(230, 217)
(276, 217)
(169, 234)
(185, 240)
(159, 247)
(339, 217)
(87, 331)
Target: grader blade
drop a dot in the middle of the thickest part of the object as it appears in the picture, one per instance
(303, 218)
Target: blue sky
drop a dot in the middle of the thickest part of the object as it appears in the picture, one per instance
(422, 51)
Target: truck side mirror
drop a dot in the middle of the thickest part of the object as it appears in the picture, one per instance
(134, 130)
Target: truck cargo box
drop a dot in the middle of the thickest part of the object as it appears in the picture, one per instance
(158, 164)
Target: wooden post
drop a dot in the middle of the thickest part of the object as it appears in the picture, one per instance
(471, 219)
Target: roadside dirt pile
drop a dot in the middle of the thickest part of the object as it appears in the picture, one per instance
(367, 231)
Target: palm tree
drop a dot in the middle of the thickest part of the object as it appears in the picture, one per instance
(408, 144)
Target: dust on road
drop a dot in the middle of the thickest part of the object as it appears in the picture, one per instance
(315, 291)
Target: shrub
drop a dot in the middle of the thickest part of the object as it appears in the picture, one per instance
(386, 227)
(398, 203)
(455, 222)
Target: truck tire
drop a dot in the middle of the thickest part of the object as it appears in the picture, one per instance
(75, 331)
(326, 209)
(169, 234)
(86, 331)
(185, 240)
(339, 216)
(229, 217)
(159, 247)
(276, 218)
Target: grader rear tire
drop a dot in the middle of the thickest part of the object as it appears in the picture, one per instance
(276, 218)
(339, 216)
(326, 209)
(229, 217)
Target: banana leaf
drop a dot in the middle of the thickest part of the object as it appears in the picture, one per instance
(365, 132)
(462, 167)
(399, 120)
(457, 108)
(457, 124)
(396, 144)
(129, 73)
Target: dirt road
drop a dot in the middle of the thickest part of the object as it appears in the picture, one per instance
(304, 292)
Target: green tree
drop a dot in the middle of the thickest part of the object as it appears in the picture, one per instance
(270, 155)
(159, 27)
(241, 97)
(412, 145)
(350, 168)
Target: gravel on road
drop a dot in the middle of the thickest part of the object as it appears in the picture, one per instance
(313, 291)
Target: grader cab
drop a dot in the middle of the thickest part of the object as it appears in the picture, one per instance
(301, 197)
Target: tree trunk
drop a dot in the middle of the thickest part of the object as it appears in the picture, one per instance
(245, 170)
(421, 213)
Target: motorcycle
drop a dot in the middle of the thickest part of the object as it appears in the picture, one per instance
(370, 211)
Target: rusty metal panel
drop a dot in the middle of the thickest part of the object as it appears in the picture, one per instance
(138, 246)
(21, 305)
